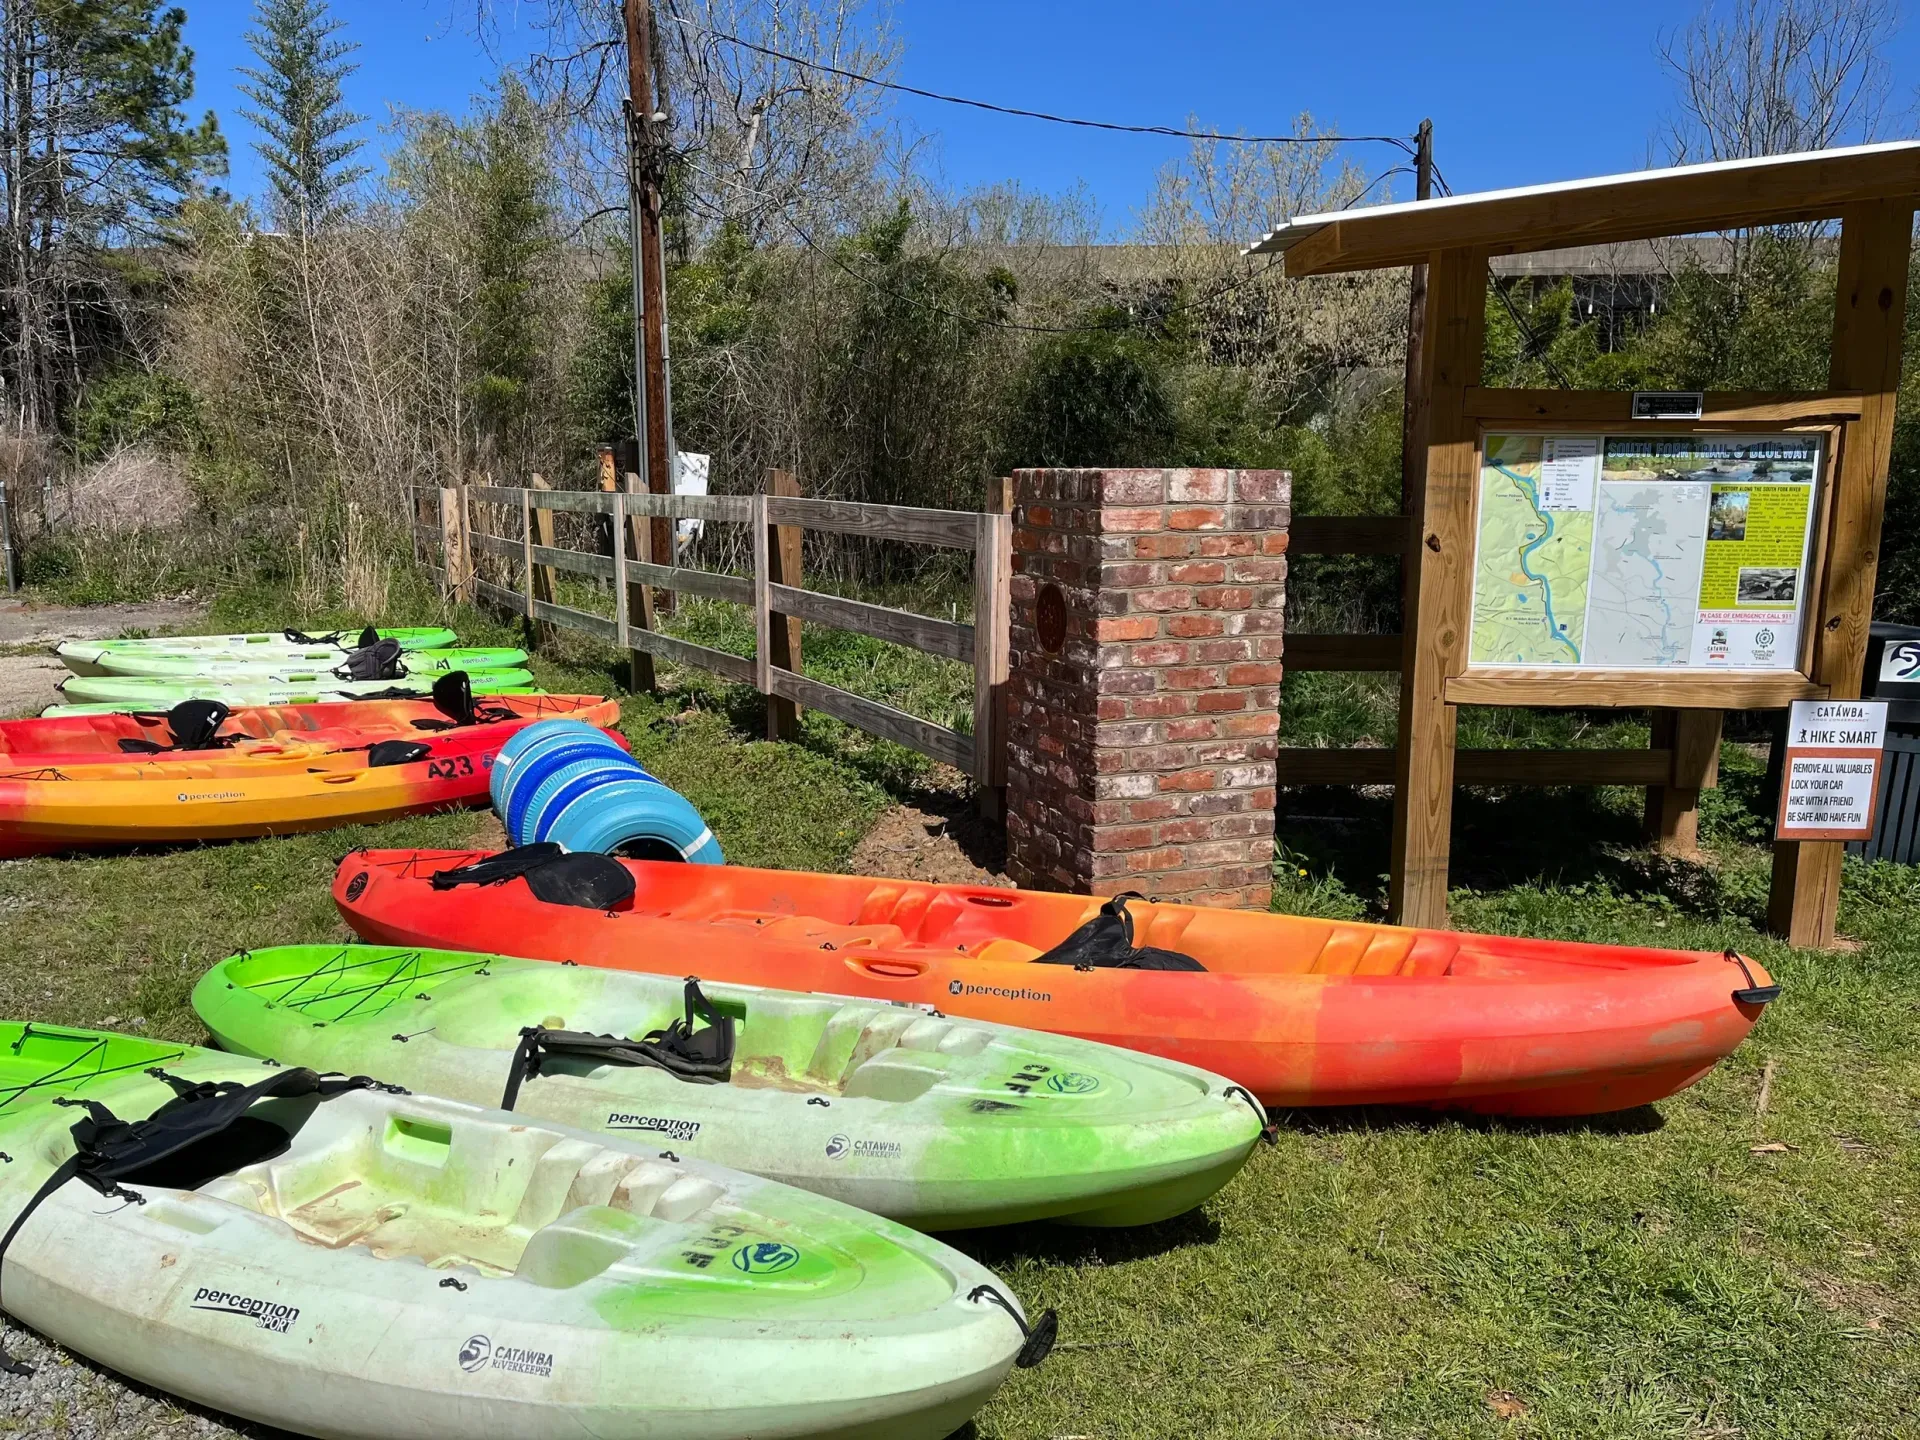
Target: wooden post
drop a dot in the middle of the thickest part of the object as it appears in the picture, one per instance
(762, 610)
(452, 558)
(783, 631)
(526, 553)
(1673, 809)
(1439, 592)
(1870, 308)
(992, 618)
(640, 671)
(620, 570)
(545, 580)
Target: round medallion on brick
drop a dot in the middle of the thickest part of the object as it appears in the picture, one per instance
(1050, 617)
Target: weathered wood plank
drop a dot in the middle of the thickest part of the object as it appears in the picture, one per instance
(683, 652)
(496, 494)
(762, 598)
(725, 509)
(1344, 652)
(1870, 308)
(785, 555)
(1709, 690)
(1438, 588)
(1778, 190)
(576, 620)
(1673, 807)
(511, 601)
(578, 561)
(494, 545)
(735, 588)
(935, 741)
(590, 502)
(1348, 534)
(1598, 407)
(992, 574)
(1300, 766)
(952, 639)
(953, 529)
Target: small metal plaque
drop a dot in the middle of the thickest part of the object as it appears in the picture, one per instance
(1050, 617)
(1668, 404)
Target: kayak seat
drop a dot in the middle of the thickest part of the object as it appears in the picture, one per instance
(462, 1193)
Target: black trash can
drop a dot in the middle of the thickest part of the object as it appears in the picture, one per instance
(1896, 815)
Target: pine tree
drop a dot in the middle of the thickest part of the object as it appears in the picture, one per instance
(96, 154)
(308, 145)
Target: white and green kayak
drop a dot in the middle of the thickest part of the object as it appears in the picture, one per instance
(941, 1124)
(80, 654)
(335, 1258)
(139, 692)
(482, 686)
(283, 662)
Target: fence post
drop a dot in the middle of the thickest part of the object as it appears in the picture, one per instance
(992, 576)
(784, 552)
(452, 556)
(6, 539)
(1673, 809)
(762, 610)
(544, 586)
(526, 554)
(620, 569)
(469, 567)
(639, 597)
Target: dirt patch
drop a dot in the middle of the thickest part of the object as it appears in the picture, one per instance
(24, 623)
(939, 839)
(27, 680)
(26, 683)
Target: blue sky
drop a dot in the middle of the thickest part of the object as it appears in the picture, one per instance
(1581, 94)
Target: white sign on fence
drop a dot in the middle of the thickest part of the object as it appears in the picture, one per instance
(1831, 774)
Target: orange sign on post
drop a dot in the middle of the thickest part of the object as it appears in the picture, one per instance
(1831, 776)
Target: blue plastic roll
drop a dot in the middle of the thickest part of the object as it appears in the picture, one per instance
(559, 789)
(517, 777)
(628, 813)
(523, 746)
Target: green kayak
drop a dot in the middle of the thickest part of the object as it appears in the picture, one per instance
(82, 653)
(271, 697)
(939, 1123)
(149, 693)
(343, 1259)
(283, 663)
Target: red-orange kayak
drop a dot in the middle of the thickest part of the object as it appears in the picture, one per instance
(1301, 1011)
(296, 731)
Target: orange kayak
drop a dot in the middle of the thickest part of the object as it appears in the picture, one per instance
(307, 777)
(247, 736)
(1301, 1011)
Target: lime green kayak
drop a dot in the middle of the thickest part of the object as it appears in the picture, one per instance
(938, 1123)
(345, 1260)
(283, 662)
(150, 693)
(482, 686)
(80, 654)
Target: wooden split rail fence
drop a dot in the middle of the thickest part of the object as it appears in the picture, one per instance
(774, 592)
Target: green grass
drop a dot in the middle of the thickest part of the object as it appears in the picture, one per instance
(1390, 1274)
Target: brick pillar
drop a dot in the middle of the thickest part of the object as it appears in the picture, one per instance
(1144, 693)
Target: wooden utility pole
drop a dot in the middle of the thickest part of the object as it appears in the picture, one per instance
(647, 151)
(1413, 423)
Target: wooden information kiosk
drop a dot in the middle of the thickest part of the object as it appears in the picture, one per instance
(1712, 552)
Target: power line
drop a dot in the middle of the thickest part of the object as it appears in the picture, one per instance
(1180, 134)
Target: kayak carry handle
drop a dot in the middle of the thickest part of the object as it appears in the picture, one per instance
(1751, 994)
(1039, 1336)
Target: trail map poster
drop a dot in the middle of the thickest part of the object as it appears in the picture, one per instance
(1644, 552)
